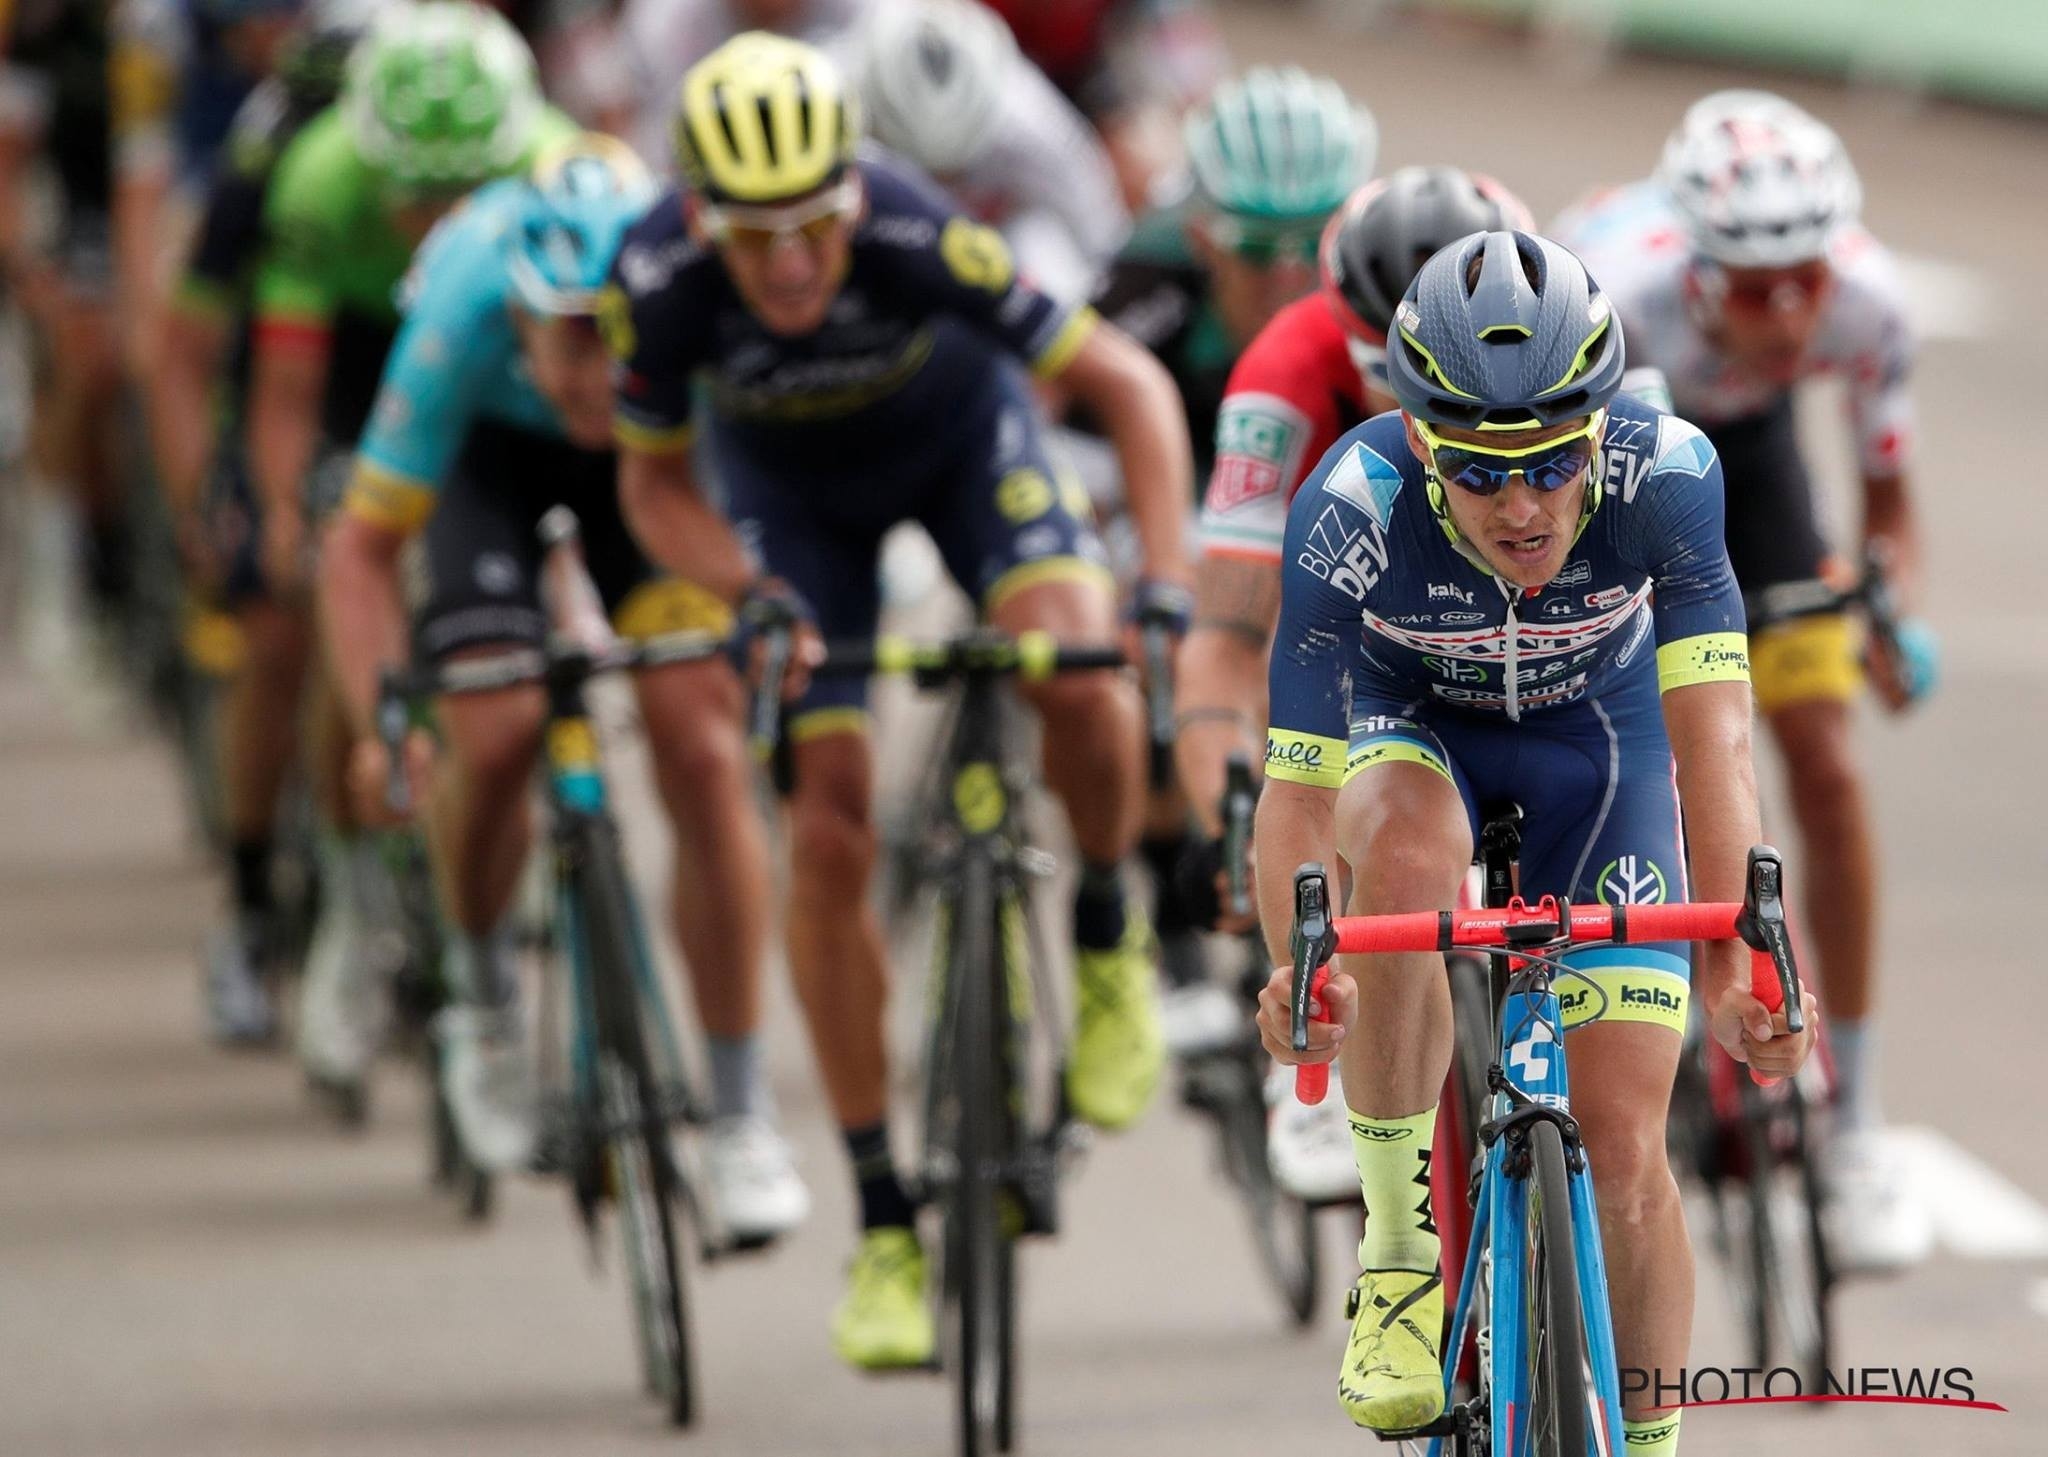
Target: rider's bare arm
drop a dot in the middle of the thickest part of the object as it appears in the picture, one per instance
(1709, 725)
(362, 610)
(676, 526)
(1890, 519)
(1220, 683)
(181, 414)
(1133, 395)
(1296, 823)
(287, 379)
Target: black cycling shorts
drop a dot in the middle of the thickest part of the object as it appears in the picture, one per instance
(1774, 534)
(482, 556)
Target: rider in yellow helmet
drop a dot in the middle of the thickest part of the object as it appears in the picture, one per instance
(865, 346)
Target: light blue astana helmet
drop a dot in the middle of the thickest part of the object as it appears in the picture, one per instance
(583, 193)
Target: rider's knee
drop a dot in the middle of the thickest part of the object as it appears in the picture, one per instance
(697, 762)
(1632, 1172)
(832, 840)
(1408, 846)
(495, 750)
(1079, 701)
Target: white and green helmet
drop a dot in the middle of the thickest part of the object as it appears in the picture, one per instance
(1279, 145)
(442, 93)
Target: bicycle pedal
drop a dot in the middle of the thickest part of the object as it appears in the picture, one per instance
(1351, 1200)
(1446, 1425)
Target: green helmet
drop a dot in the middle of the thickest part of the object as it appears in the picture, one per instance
(1279, 145)
(441, 94)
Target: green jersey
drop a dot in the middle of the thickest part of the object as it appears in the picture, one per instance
(334, 248)
(334, 260)
(1157, 293)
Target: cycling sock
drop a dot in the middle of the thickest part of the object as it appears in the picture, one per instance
(883, 1202)
(1853, 1049)
(735, 1076)
(249, 875)
(1393, 1169)
(1162, 855)
(1654, 1436)
(1099, 911)
(478, 969)
(109, 562)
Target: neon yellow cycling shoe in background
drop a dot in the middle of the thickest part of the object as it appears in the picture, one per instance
(884, 1321)
(1392, 1379)
(1119, 1043)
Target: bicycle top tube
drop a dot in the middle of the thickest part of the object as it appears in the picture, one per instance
(1032, 656)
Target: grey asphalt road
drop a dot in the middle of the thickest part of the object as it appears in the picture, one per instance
(194, 1264)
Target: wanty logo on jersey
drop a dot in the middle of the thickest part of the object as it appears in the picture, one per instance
(1632, 880)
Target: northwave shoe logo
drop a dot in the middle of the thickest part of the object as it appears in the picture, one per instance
(1940, 1386)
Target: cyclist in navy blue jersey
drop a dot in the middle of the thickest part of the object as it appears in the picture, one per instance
(1513, 588)
(855, 352)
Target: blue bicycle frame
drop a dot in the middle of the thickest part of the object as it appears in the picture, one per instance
(576, 790)
(1532, 1057)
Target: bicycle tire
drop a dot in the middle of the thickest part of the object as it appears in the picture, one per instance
(980, 1257)
(1283, 1226)
(1554, 1348)
(642, 1177)
(1475, 1042)
(1788, 1253)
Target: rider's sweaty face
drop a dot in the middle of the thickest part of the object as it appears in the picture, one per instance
(1765, 319)
(1248, 291)
(788, 280)
(253, 44)
(1521, 533)
(414, 213)
(572, 370)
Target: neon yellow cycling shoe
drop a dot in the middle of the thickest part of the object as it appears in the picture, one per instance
(1119, 1043)
(884, 1321)
(1392, 1379)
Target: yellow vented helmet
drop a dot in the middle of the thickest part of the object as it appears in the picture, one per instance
(764, 119)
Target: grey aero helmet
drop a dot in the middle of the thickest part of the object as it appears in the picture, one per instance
(1504, 331)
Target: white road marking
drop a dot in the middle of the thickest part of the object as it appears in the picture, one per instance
(1946, 300)
(1978, 1212)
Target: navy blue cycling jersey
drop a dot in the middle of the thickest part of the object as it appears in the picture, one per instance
(1378, 602)
(177, 82)
(931, 301)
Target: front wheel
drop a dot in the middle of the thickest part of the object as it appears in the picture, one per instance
(1283, 1227)
(978, 1242)
(639, 1172)
(1559, 1377)
(1792, 1275)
